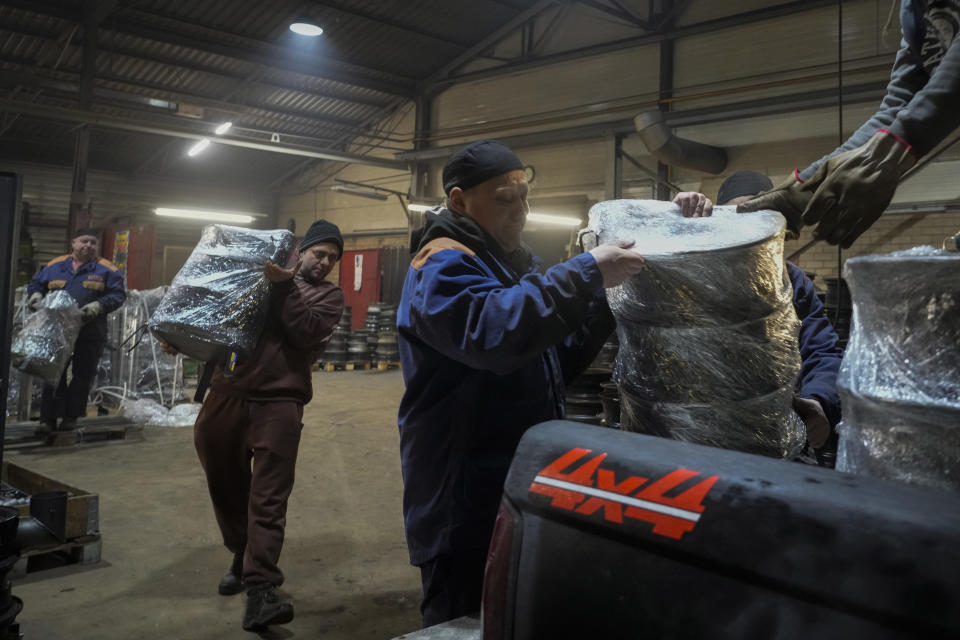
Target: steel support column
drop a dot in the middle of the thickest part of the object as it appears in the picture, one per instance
(613, 177)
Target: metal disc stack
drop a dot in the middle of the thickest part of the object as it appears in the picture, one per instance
(592, 398)
(373, 315)
(387, 350)
(838, 308)
(336, 351)
(358, 353)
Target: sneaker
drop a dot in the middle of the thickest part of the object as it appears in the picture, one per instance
(265, 608)
(232, 582)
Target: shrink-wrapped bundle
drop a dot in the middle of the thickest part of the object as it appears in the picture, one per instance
(900, 376)
(707, 331)
(44, 345)
(217, 303)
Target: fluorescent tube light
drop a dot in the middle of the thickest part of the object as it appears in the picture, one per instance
(223, 128)
(566, 221)
(199, 147)
(420, 207)
(205, 216)
(363, 193)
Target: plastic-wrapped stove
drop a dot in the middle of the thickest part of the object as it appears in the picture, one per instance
(900, 377)
(708, 332)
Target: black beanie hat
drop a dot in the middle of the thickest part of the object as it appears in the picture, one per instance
(87, 231)
(322, 231)
(478, 162)
(743, 183)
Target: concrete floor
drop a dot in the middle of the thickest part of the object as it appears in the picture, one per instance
(345, 556)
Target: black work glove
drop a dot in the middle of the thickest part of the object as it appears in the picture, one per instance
(853, 188)
(790, 198)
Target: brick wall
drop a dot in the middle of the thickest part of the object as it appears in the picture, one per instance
(892, 232)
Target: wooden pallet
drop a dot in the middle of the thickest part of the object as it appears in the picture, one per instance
(83, 550)
(23, 435)
(384, 365)
(358, 366)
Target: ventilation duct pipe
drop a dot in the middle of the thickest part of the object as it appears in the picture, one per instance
(674, 151)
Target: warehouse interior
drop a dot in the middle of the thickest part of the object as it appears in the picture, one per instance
(116, 112)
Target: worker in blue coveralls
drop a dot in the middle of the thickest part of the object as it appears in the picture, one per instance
(487, 344)
(97, 286)
(846, 191)
(816, 401)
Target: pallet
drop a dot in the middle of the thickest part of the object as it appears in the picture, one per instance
(384, 365)
(358, 366)
(22, 435)
(83, 551)
(83, 508)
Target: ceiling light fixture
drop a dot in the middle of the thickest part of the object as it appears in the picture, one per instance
(306, 26)
(566, 221)
(223, 128)
(198, 148)
(205, 216)
(373, 195)
(421, 207)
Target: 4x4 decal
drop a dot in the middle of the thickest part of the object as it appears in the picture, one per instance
(587, 489)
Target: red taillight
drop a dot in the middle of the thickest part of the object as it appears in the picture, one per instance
(499, 579)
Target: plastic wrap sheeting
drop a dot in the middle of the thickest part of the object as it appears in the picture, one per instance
(157, 415)
(44, 345)
(708, 332)
(218, 301)
(139, 369)
(900, 376)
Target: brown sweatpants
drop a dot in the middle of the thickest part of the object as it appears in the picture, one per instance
(250, 503)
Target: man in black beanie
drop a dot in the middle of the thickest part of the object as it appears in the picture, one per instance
(487, 344)
(254, 416)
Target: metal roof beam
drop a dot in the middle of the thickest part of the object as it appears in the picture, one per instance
(706, 26)
(353, 13)
(168, 127)
(618, 12)
(443, 73)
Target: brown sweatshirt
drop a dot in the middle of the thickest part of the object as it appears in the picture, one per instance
(302, 318)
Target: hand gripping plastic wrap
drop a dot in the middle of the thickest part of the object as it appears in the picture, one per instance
(218, 302)
(44, 345)
(900, 376)
(708, 332)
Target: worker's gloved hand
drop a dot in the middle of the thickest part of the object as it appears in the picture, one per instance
(693, 204)
(276, 274)
(34, 301)
(789, 198)
(855, 187)
(814, 418)
(91, 310)
(617, 262)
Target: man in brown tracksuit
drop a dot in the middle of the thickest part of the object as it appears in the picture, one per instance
(255, 416)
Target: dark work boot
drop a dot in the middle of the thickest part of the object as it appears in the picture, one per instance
(68, 424)
(265, 608)
(232, 583)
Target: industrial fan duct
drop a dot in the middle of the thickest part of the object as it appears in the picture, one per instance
(708, 332)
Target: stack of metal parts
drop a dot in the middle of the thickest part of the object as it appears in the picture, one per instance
(219, 300)
(358, 351)
(900, 377)
(708, 332)
(137, 369)
(44, 344)
(587, 397)
(387, 350)
(837, 306)
(336, 351)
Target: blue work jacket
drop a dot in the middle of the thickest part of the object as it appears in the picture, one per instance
(486, 353)
(95, 281)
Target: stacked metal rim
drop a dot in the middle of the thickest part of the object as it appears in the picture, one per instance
(373, 315)
(387, 350)
(592, 398)
(336, 351)
(358, 353)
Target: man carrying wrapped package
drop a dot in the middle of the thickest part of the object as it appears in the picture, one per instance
(97, 286)
(254, 416)
(486, 344)
(817, 400)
